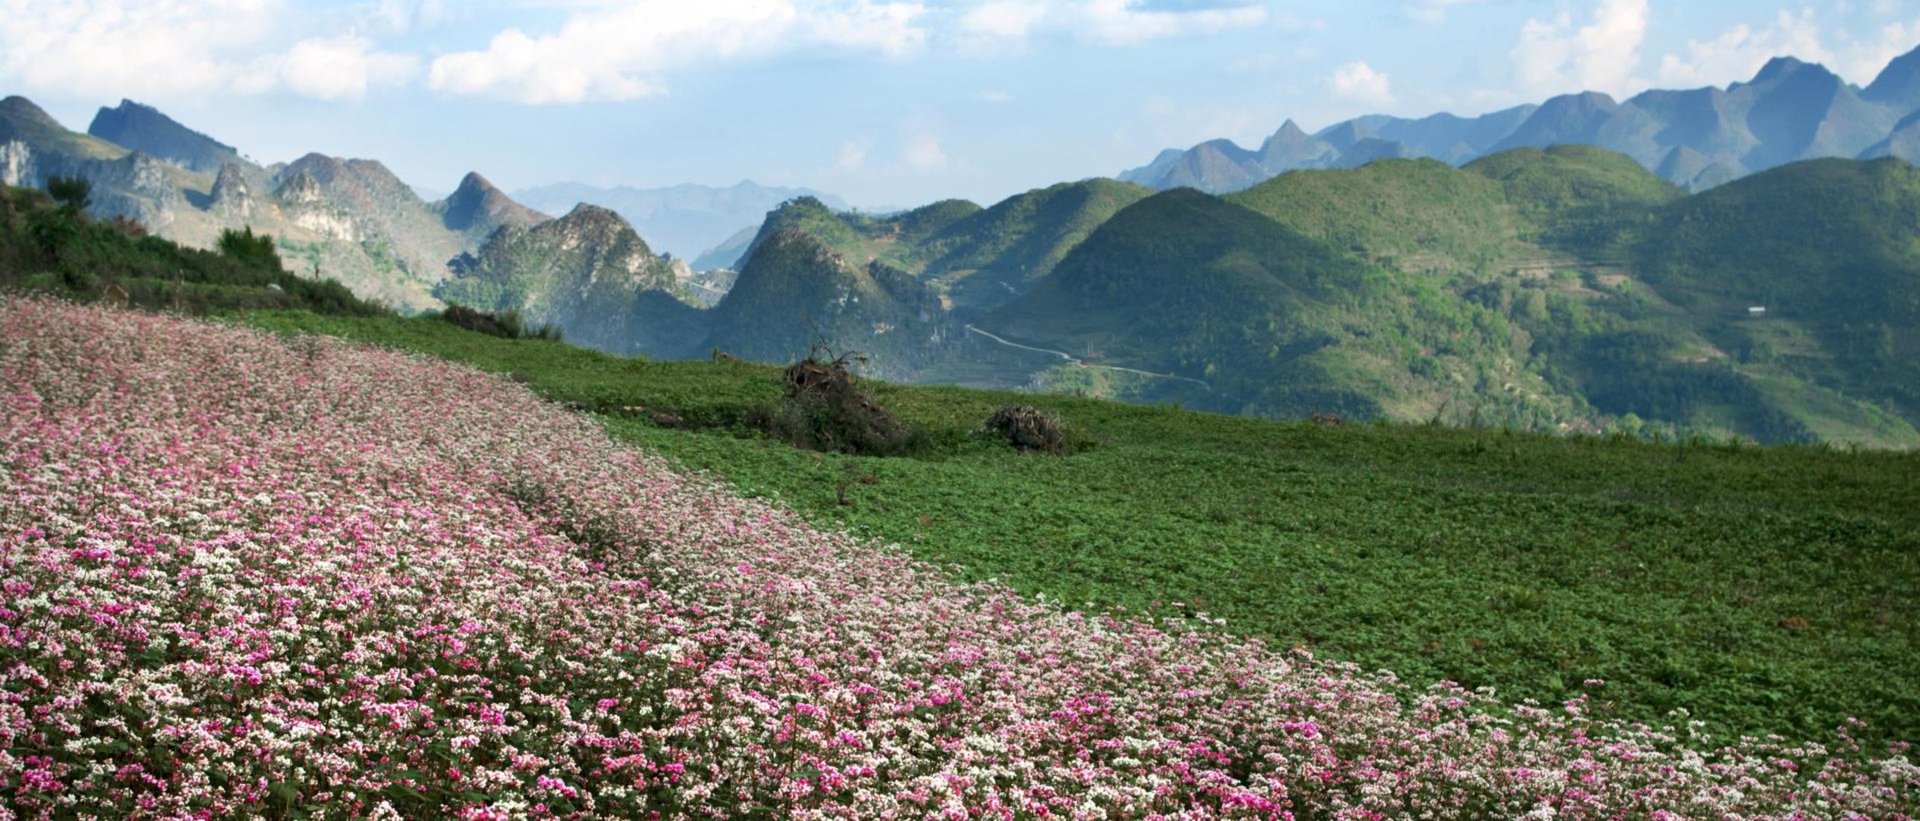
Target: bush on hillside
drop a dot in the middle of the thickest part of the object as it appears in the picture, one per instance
(250, 249)
(824, 410)
(73, 193)
(1028, 429)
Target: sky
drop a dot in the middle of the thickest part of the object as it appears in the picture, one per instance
(886, 103)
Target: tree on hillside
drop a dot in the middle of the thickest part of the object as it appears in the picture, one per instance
(74, 193)
(247, 248)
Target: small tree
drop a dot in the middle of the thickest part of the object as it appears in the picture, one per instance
(247, 248)
(73, 193)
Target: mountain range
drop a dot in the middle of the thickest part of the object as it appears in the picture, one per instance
(351, 220)
(1566, 287)
(687, 221)
(1696, 138)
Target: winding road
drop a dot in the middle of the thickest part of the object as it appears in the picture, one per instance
(1070, 359)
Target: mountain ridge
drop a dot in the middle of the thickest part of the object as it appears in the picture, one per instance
(1790, 110)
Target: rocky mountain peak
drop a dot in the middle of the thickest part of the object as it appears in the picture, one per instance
(319, 168)
(476, 208)
(588, 215)
(1780, 68)
(144, 128)
(21, 109)
(1290, 131)
(230, 194)
(1899, 84)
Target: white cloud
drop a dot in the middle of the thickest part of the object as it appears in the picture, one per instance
(993, 25)
(1125, 21)
(1002, 19)
(1360, 83)
(993, 95)
(619, 53)
(853, 154)
(1740, 52)
(339, 68)
(923, 153)
(1864, 60)
(125, 48)
(1555, 57)
(159, 50)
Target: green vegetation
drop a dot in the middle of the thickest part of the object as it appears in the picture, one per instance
(1577, 198)
(1257, 319)
(1542, 288)
(72, 193)
(506, 324)
(989, 258)
(583, 274)
(1415, 215)
(1827, 247)
(56, 248)
(797, 289)
(1762, 589)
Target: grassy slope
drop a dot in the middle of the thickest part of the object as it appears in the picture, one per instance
(1763, 589)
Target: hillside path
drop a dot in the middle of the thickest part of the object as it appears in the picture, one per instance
(1082, 363)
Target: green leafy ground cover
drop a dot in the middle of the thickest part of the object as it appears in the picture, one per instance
(1762, 589)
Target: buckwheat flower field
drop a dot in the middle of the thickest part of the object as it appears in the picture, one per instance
(253, 577)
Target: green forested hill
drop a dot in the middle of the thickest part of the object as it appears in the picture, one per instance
(1273, 321)
(797, 289)
(1564, 287)
(1829, 249)
(991, 257)
(1576, 198)
(1416, 215)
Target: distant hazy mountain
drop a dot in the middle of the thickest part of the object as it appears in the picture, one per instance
(1904, 142)
(730, 252)
(683, 220)
(1696, 138)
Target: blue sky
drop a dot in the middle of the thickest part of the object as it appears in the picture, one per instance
(884, 102)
